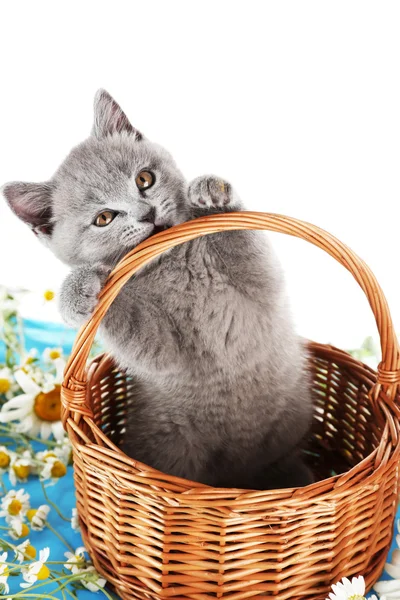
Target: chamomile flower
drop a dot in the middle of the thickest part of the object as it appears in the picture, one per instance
(75, 520)
(38, 517)
(92, 580)
(49, 295)
(37, 570)
(63, 450)
(21, 466)
(24, 551)
(18, 529)
(28, 360)
(8, 385)
(52, 354)
(349, 590)
(38, 409)
(14, 504)
(53, 470)
(4, 587)
(8, 305)
(50, 467)
(78, 564)
(6, 456)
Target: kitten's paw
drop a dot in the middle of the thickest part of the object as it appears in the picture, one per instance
(79, 293)
(211, 192)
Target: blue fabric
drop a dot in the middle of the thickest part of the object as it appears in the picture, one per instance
(63, 495)
(41, 335)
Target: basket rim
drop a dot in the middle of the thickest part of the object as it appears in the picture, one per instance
(190, 488)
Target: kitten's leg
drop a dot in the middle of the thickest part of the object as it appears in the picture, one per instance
(210, 193)
(79, 293)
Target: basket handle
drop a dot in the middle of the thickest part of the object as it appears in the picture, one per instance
(389, 368)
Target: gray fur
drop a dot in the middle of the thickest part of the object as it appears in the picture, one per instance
(222, 392)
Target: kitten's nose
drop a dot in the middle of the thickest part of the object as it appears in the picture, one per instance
(150, 216)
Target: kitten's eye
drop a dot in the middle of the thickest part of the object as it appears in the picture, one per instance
(105, 218)
(145, 180)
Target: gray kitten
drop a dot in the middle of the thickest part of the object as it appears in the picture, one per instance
(222, 392)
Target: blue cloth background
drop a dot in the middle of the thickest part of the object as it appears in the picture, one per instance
(42, 335)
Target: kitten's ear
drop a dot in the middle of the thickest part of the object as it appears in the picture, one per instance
(32, 203)
(109, 117)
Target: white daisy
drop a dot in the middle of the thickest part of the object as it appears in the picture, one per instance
(4, 587)
(24, 550)
(37, 411)
(38, 517)
(18, 529)
(37, 570)
(8, 384)
(8, 305)
(21, 466)
(6, 456)
(28, 359)
(78, 564)
(53, 470)
(14, 504)
(348, 590)
(63, 450)
(52, 354)
(92, 580)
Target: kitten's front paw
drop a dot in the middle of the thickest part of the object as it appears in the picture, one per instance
(79, 293)
(212, 192)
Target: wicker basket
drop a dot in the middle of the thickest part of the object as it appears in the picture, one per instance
(155, 536)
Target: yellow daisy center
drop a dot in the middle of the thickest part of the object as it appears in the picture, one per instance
(24, 531)
(49, 295)
(58, 469)
(356, 597)
(15, 507)
(21, 471)
(53, 354)
(31, 513)
(4, 460)
(48, 405)
(4, 385)
(43, 573)
(30, 551)
(49, 455)
(30, 360)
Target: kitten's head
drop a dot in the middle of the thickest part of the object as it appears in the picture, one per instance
(113, 191)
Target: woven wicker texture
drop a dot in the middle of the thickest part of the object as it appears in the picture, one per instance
(155, 536)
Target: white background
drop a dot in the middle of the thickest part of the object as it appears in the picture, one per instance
(296, 103)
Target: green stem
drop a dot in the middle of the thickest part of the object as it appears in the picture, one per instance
(50, 443)
(72, 594)
(53, 504)
(25, 438)
(3, 485)
(60, 537)
(67, 579)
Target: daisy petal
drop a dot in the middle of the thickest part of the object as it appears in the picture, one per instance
(58, 430)
(26, 383)
(45, 430)
(13, 415)
(393, 570)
